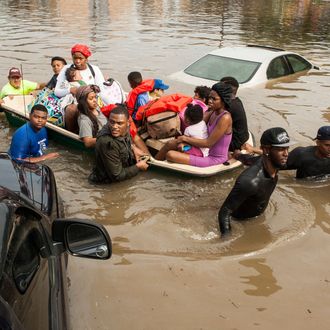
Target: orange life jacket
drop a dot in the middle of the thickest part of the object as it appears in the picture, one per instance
(145, 86)
(106, 110)
(172, 102)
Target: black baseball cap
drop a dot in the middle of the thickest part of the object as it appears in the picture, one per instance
(276, 137)
(323, 133)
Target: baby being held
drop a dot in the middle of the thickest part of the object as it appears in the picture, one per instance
(73, 77)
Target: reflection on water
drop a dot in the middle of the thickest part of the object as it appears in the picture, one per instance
(157, 212)
(265, 283)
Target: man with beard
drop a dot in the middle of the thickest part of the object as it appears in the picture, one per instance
(253, 188)
(312, 161)
(117, 158)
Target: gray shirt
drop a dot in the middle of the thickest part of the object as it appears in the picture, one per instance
(86, 125)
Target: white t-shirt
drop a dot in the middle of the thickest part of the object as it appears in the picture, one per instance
(198, 131)
(62, 88)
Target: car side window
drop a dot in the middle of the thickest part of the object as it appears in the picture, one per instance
(278, 68)
(26, 261)
(298, 63)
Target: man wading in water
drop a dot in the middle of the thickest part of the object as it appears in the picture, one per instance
(253, 188)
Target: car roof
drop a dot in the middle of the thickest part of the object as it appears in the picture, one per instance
(250, 53)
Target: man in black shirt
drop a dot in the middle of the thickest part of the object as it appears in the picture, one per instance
(253, 188)
(240, 126)
(312, 161)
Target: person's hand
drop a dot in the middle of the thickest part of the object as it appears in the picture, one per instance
(51, 155)
(181, 139)
(236, 153)
(246, 146)
(172, 144)
(142, 165)
(73, 90)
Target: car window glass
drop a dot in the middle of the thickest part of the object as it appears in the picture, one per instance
(278, 68)
(214, 67)
(298, 63)
(26, 261)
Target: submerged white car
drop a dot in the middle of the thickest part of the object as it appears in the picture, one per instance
(251, 65)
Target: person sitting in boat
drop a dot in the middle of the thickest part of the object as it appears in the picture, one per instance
(116, 155)
(90, 118)
(57, 64)
(219, 127)
(159, 89)
(237, 111)
(17, 86)
(30, 141)
(142, 92)
(138, 96)
(196, 128)
(90, 74)
(201, 94)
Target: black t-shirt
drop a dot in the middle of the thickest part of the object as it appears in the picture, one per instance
(304, 160)
(52, 82)
(249, 196)
(240, 127)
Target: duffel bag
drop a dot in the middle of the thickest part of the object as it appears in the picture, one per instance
(163, 125)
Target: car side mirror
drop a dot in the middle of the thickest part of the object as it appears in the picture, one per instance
(81, 238)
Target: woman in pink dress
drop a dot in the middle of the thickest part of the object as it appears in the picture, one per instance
(219, 126)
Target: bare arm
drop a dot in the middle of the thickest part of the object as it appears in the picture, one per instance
(223, 127)
(41, 85)
(42, 158)
(89, 142)
(141, 145)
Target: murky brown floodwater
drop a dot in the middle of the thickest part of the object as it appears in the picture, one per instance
(170, 270)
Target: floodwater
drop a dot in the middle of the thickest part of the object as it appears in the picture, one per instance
(170, 269)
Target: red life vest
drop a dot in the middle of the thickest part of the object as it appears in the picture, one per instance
(145, 86)
(172, 102)
(106, 110)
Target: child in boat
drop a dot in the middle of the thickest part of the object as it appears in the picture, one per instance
(201, 95)
(57, 64)
(196, 128)
(143, 91)
(73, 79)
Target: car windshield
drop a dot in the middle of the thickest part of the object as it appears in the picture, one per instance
(214, 67)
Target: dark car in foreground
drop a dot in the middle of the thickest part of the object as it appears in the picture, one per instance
(34, 241)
